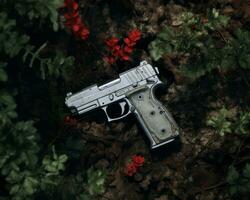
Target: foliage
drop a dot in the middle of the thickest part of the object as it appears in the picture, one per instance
(19, 149)
(3, 74)
(238, 50)
(242, 125)
(195, 40)
(122, 50)
(220, 122)
(52, 66)
(14, 43)
(74, 21)
(36, 9)
(95, 181)
(191, 34)
(84, 185)
(239, 182)
(11, 40)
(25, 171)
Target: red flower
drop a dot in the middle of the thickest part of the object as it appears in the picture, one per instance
(74, 5)
(130, 169)
(75, 27)
(134, 35)
(122, 51)
(109, 59)
(138, 160)
(125, 57)
(128, 49)
(84, 33)
(112, 42)
(74, 21)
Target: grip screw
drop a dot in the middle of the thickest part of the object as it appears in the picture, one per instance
(152, 113)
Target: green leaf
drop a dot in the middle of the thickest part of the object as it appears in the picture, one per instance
(96, 180)
(246, 171)
(30, 185)
(232, 176)
(63, 158)
(244, 60)
(166, 35)
(155, 50)
(3, 74)
(14, 189)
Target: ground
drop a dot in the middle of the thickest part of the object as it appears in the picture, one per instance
(195, 165)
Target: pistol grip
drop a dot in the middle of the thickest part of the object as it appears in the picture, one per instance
(155, 119)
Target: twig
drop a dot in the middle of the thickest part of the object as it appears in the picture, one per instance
(221, 184)
(242, 160)
(222, 36)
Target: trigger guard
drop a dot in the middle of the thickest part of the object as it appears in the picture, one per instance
(122, 104)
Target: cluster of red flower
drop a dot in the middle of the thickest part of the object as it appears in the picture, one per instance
(74, 21)
(123, 51)
(133, 166)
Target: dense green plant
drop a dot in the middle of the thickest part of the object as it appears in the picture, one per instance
(220, 122)
(14, 43)
(36, 9)
(19, 148)
(237, 51)
(83, 185)
(52, 66)
(242, 125)
(239, 182)
(199, 40)
(24, 169)
(96, 179)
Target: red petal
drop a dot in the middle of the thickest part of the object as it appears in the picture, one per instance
(127, 41)
(134, 35)
(109, 59)
(112, 42)
(84, 33)
(125, 57)
(138, 160)
(74, 5)
(128, 49)
(75, 28)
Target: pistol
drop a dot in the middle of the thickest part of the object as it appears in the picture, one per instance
(132, 92)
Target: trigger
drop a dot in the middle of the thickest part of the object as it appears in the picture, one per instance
(122, 104)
